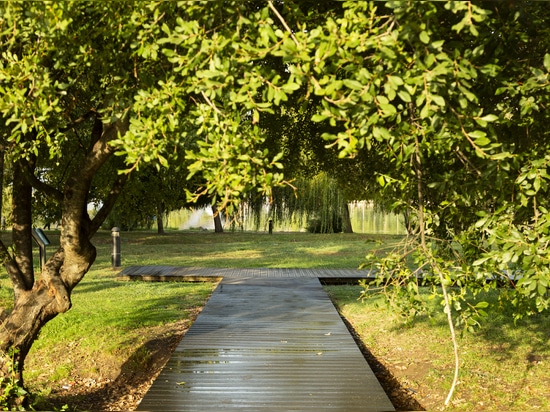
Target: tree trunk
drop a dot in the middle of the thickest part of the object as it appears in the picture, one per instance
(22, 225)
(346, 219)
(218, 227)
(37, 301)
(160, 219)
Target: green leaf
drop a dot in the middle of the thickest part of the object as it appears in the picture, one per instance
(353, 84)
(490, 118)
(382, 99)
(395, 81)
(481, 261)
(424, 37)
(290, 87)
(388, 110)
(319, 117)
(406, 97)
(425, 112)
(477, 134)
(440, 101)
(502, 156)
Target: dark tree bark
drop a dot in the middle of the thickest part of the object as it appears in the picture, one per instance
(218, 227)
(346, 219)
(36, 301)
(160, 219)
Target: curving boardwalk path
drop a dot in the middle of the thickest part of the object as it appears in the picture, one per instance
(267, 340)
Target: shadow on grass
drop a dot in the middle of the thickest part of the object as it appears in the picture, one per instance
(90, 287)
(499, 330)
(400, 396)
(124, 392)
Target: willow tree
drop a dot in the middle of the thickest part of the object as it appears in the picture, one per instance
(322, 203)
(319, 194)
(315, 203)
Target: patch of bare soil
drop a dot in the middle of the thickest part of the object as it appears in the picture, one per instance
(125, 391)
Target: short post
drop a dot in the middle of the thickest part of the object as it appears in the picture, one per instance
(270, 226)
(115, 257)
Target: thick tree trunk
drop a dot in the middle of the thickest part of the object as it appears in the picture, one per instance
(32, 310)
(218, 227)
(38, 301)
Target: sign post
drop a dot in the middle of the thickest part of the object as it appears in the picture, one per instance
(42, 241)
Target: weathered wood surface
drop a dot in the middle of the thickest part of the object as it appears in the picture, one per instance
(186, 273)
(267, 343)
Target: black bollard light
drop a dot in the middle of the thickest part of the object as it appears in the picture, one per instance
(115, 257)
(270, 226)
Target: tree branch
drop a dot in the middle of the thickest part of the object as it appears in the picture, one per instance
(76, 228)
(108, 203)
(81, 119)
(43, 187)
(14, 273)
(418, 170)
(282, 20)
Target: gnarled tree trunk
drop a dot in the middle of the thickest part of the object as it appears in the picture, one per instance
(36, 301)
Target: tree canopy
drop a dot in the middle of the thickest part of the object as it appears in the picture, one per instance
(436, 109)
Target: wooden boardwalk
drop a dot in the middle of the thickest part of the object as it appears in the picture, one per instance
(186, 273)
(271, 341)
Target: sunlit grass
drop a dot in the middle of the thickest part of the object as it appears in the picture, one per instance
(503, 366)
(244, 249)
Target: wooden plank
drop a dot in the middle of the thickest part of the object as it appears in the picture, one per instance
(267, 344)
(167, 273)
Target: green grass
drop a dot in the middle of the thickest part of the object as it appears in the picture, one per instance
(503, 366)
(245, 249)
(109, 328)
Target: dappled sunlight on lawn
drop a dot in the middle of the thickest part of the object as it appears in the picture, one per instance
(241, 249)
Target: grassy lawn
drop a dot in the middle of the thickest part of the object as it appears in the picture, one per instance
(117, 328)
(502, 366)
(245, 249)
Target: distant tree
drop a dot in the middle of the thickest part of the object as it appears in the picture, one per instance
(148, 197)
